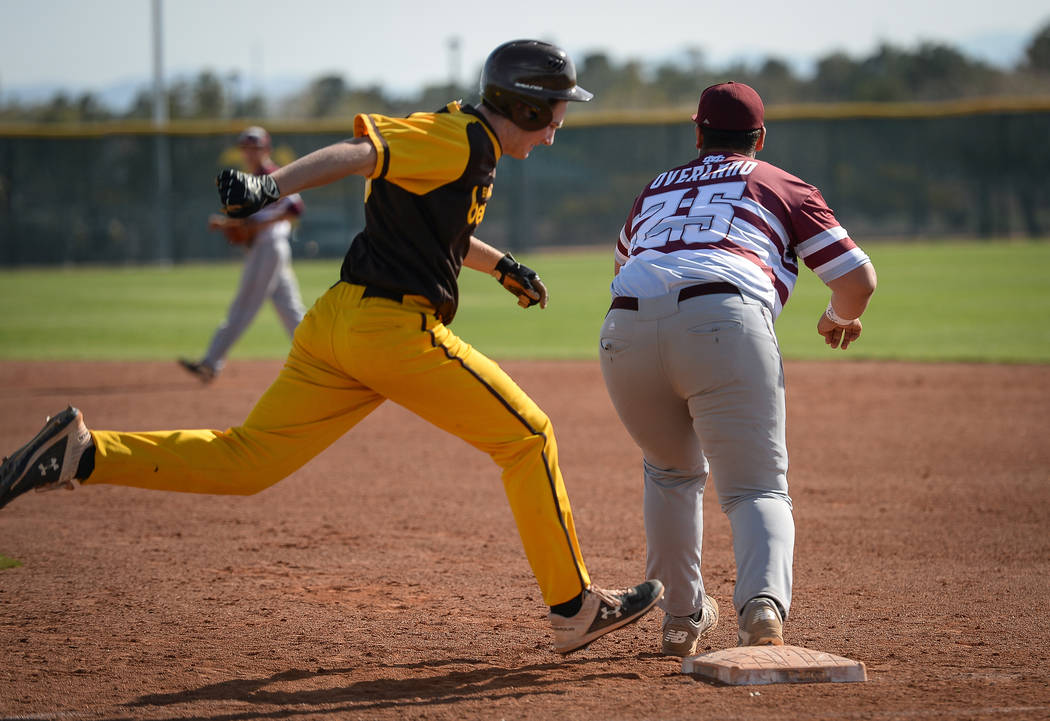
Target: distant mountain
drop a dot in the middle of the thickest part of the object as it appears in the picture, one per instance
(118, 96)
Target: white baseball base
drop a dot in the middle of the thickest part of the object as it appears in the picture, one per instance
(756, 665)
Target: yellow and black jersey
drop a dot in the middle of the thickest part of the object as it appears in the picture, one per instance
(432, 179)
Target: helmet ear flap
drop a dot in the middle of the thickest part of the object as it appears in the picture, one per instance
(531, 116)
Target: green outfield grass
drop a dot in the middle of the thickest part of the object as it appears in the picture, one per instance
(985, 302)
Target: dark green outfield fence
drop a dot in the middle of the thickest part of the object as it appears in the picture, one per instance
(90, 193)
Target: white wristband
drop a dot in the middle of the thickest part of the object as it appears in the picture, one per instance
(835, 317)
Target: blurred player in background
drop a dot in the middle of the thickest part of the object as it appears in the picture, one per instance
(267, 263)
(704, 265)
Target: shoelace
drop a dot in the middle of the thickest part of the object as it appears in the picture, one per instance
(610, 597)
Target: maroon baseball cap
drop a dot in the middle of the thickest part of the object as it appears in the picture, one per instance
(254, 137)
(730, 106)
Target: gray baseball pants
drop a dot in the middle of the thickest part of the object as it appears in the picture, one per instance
(267, 274)
(699, 385)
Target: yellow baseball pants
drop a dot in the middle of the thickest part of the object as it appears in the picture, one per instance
(349, 354)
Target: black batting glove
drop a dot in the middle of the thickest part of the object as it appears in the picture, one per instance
(242, 194)
(522, 281)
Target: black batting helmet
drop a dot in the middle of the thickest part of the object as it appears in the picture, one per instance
(522, 78)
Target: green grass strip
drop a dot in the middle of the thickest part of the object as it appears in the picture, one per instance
(946, 301)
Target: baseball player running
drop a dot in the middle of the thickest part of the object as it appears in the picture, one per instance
(382, 332)
(267, 264)
(704, 265)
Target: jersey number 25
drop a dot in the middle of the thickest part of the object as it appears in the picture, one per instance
(708, 220)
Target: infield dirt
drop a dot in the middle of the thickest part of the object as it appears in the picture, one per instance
(385, 579)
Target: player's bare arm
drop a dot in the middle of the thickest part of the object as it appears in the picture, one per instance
(242, 194)
(520, 280)
(840, 324)
(326, 165)
(482, 257)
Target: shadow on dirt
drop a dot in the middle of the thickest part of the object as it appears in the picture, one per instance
(485, 684)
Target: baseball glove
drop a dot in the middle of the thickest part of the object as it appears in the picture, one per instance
(236, 231)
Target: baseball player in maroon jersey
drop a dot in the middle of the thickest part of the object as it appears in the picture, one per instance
(267, 269)
(705, 262)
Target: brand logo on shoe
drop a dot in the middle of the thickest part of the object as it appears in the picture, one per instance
(44, 469)
(608, 611)
(676, 636)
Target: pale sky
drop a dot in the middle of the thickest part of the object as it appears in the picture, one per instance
(90, 45)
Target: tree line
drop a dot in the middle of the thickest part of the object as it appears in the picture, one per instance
(928, 72)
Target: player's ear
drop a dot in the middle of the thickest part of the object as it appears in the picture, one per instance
(699, 138)
(761, 139)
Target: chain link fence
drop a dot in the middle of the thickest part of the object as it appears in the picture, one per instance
(90, 195)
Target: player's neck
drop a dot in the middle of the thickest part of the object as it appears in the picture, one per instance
(499, 124)
(724, 151)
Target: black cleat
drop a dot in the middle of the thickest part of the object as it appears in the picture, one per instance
(603, 611)
(204, 373)
(48, 461)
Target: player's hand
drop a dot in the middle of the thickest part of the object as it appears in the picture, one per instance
(522, 281)
(839, 336)
(242, 194)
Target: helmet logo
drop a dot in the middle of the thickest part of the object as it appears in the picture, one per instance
(528, 86)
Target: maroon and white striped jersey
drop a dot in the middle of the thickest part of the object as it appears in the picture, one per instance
(730, 217)
(291, 205)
